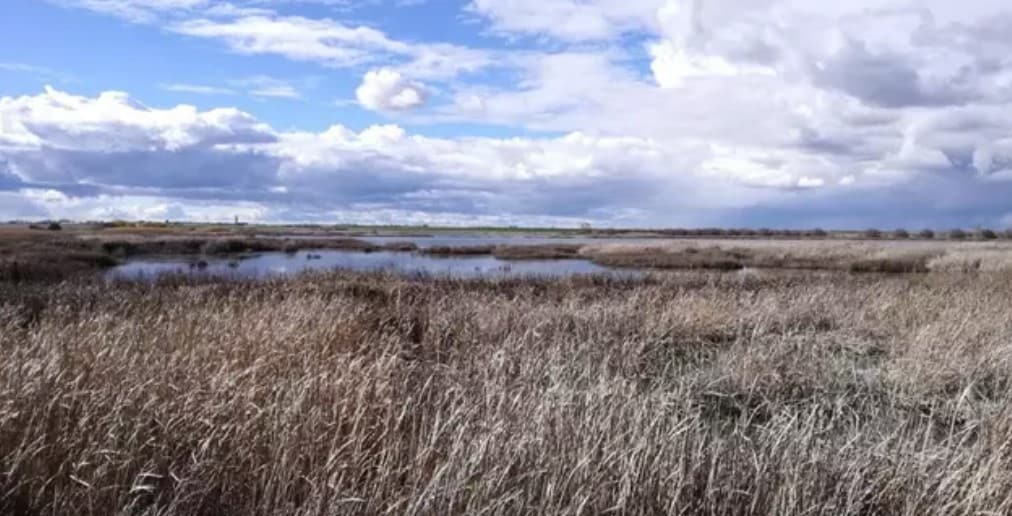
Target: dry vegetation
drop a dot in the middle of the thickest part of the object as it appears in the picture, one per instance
(555, 251)
(31, 252)
(853, 256)
(688, 393)
(42, 256)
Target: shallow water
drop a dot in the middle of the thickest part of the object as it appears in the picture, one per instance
(483, 240)
(465, 240)
(279, 264)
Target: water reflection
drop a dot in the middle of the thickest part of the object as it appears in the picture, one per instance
(426, 241)
(279, 264)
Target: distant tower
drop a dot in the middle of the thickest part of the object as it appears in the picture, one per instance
(236, 220)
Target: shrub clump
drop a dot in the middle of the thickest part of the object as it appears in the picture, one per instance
(537, 252)
(712, 258)
(471, 250)
(890, 265)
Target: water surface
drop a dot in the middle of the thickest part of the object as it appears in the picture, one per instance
(472, 240)
(425, 242)
(280, 264)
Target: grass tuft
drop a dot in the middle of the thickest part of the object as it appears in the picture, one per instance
(342, 393)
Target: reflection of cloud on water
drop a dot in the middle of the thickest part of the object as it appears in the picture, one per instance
(278, 264)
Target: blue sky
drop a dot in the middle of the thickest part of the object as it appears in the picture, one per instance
(621, 113)
(147, 62)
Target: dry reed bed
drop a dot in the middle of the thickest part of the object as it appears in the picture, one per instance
(50, 256)
(555, 251)
(854, 256)
(690, 393)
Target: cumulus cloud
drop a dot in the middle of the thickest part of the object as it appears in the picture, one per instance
(62, 152)
(113, 121)
(776, 94)
(388, 90)
(721, 108)
(202, 165)
(111, 140)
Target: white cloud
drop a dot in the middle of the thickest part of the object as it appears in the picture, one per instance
(140, 11)
(266, 86)
(672, 66)
(199, 89)
(570, 20)
(333, 43)
(255, 86)
(387, 90)
(66, 150)
(297, 38)
(742, 103)
(114, 122)
(110, 156)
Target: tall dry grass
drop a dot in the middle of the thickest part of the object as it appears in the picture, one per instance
(856, 256)
(692, 393)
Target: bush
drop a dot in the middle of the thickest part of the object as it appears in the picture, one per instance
(54, 226)
(872, 233)
(957, 234)
(472, 250)
(901, 234)
(926, 234)
(890, 265)
(818, 233)
(987, 234)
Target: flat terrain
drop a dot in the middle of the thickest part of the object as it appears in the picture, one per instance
(690, 392)
(33, 254)
(816, 375)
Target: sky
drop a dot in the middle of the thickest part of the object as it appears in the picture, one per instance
(620, 113)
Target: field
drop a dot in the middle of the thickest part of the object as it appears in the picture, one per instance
(692, 392)
(42, 255)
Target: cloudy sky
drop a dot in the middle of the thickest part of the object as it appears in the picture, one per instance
(784, 113)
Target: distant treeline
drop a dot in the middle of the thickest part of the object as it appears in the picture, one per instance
(713, 232)
(874, 234)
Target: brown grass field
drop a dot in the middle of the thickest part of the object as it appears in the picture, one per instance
(679, 393)
(39, 254)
